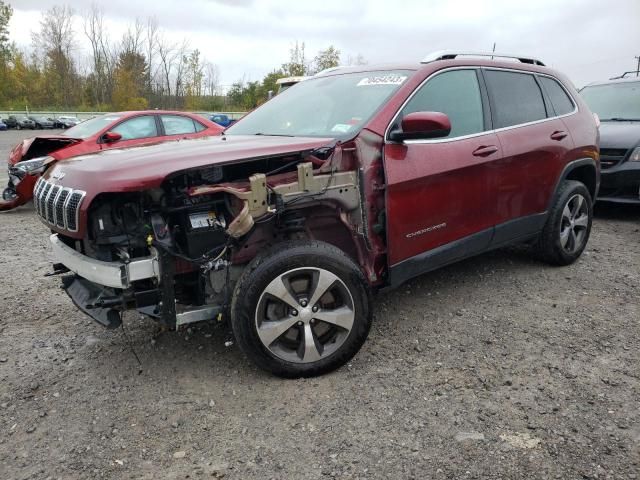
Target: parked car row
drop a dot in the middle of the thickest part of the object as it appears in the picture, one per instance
(350, 182)
(20, 122)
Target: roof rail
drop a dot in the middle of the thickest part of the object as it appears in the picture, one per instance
(451, 54)
(637, 73)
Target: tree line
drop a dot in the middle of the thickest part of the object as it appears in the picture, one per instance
(141, 70)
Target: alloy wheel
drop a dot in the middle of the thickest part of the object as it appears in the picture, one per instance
(304, 315)
(574, 224)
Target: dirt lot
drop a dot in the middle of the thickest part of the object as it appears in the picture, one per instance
(498, 367)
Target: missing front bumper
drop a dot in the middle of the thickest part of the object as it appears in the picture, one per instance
(85, 295)
(109, 274)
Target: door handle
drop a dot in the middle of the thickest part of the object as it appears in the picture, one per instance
(485, 151)
(558, 135)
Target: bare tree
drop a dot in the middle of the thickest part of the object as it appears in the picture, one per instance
(211, 79)
(93, 26)
(168, 54)
(151, 39)
(181, 66)
(55, 40)
(133, 38)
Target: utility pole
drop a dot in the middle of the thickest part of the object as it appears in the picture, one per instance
(638, 67)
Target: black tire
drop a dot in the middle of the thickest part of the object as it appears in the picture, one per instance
(293, 260)
(551, 244)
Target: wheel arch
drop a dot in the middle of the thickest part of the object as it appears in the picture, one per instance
(584, 170)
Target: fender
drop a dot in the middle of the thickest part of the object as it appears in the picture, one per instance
(572, 166)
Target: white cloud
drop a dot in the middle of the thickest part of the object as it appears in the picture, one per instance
(589, 40)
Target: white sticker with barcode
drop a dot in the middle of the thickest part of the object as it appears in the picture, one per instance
(391, 79)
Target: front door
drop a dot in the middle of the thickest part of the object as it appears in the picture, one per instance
(440, 202)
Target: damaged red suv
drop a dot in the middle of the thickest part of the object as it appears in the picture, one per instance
(34, 155)
(352, 181)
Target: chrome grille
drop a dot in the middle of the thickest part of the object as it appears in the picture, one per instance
(58, 205)
(42, 199)
(51, 198)
(64, 193)
(36, 192)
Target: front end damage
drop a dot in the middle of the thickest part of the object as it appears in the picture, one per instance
(27, 161)
(175, 253)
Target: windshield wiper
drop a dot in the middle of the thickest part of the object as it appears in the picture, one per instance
(620, 119)
(273, 134)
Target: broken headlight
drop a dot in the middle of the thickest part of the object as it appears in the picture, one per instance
(35, 165)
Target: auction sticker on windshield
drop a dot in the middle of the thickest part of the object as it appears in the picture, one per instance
(391, 79)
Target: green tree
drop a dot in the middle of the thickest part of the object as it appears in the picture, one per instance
(126, 94)
(5, 15)
(5, 53)
(130, 79)
(269, 82)
(327, 58)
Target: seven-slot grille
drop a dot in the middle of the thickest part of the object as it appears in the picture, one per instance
(58, 205)
(610, 157)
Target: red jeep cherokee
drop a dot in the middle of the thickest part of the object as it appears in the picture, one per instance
(357, 179)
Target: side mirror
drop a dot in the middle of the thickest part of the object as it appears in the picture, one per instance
(111, 137)
(422, 125)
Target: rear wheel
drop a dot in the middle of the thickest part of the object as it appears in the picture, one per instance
(301, 309)
(568, 226)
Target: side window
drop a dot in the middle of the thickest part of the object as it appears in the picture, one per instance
(137, 127)
(561, 102)
(516, 98)
(455, 93)
(177, 124)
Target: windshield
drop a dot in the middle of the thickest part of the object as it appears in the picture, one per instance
(614, 101)
(335, 106)
(91, 127)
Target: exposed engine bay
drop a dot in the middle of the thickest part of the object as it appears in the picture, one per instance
(204, 225)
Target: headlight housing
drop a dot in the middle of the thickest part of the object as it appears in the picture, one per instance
(35, 165)
(635, 155)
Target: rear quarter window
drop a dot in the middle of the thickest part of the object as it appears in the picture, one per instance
(516, 98)
(560, 100)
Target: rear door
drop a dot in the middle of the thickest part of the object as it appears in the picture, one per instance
(534, 143)
(180, 126)
(439, 198)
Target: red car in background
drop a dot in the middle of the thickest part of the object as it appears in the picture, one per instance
(30, 158)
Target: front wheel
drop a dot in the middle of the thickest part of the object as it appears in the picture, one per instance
(301, 309)
(568, 226)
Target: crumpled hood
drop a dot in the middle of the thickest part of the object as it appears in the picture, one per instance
(39, 146)
(145, 167)
(619, 134)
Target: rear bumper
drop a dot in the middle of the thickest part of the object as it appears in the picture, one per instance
(621, 183)
(108, 274)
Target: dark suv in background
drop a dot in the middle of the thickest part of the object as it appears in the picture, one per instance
(617, 103)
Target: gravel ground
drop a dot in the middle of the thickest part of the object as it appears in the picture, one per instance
(497, 367)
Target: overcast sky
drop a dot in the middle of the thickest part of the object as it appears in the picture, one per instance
(587, 39)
